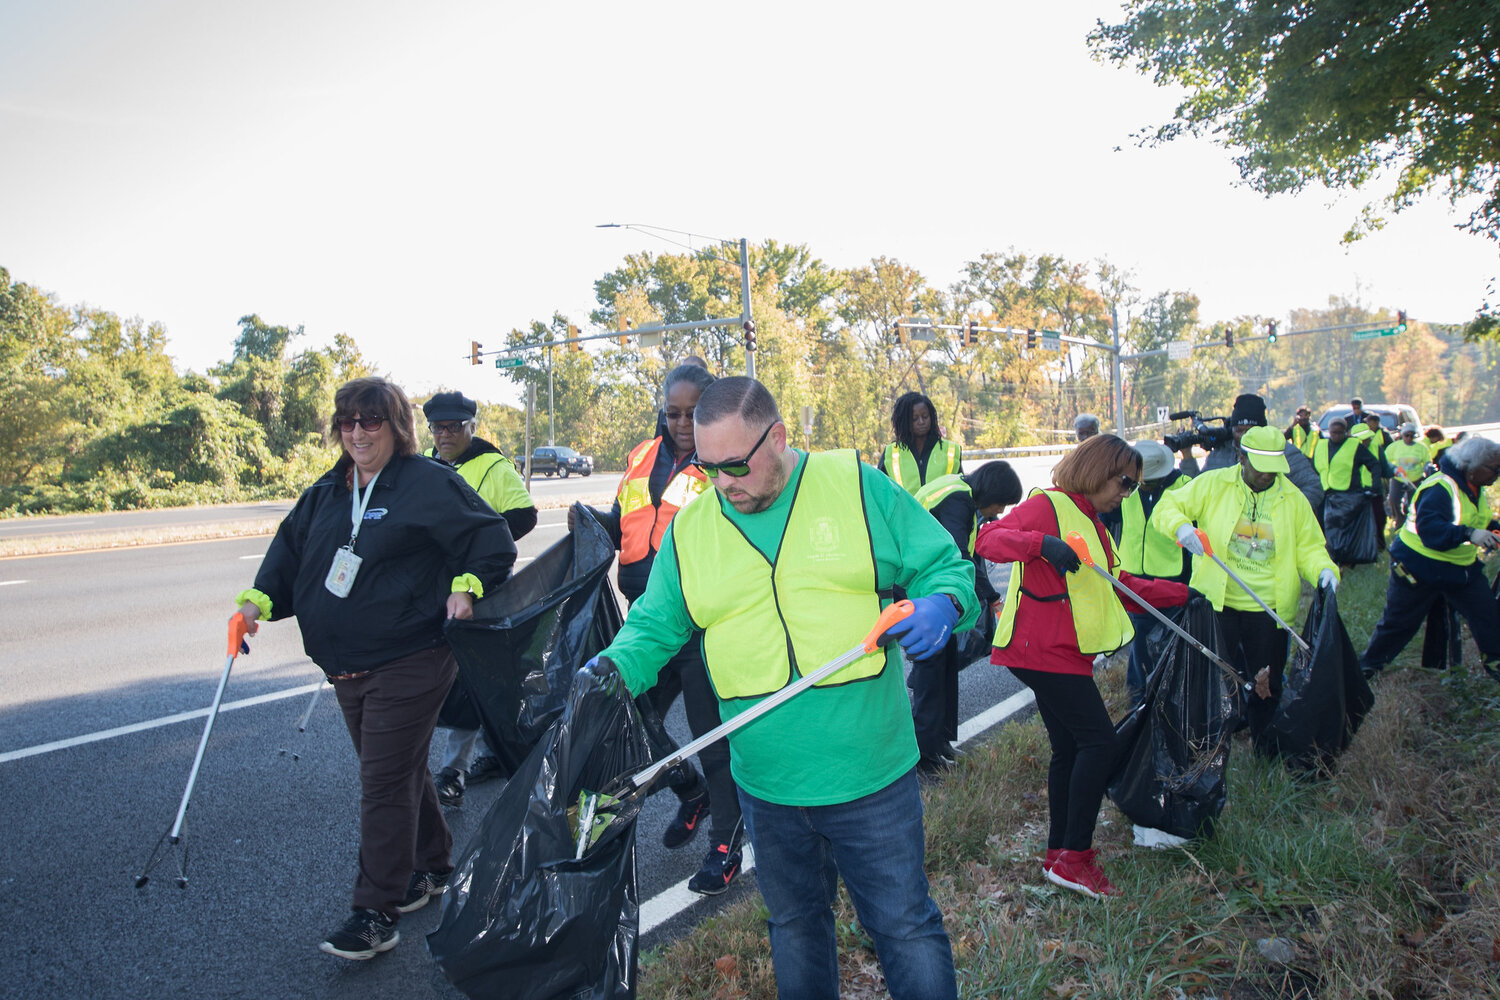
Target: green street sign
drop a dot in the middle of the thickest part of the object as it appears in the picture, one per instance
(1389, 331)
(508, 362)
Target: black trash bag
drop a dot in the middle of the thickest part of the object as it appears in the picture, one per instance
(1349, 527)
(1176, 741)
(976, 643)
(517, 655)
(522, 918)
(1324, 696)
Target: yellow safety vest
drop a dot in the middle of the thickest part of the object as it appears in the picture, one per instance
(1144, 550)
(766, 622)
(1465, 513)
(1340, 474)
(939, 489)
(1099, 619)
(642, 524)
(901, 464)
(1305, 440)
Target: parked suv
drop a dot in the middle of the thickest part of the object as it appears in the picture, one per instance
(1392, 416)
(560, 460)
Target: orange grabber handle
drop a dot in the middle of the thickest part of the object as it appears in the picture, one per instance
(1208, 549)
(899, 611)
(1080, 547)
(238, 629)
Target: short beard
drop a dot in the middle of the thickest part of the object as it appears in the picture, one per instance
(754, 503)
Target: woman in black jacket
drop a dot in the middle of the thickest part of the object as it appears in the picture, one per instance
(373, 559)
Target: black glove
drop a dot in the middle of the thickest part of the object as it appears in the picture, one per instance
(602, 673)
(1056, 552)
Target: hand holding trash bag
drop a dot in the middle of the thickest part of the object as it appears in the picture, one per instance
(1187, 537)
(1328, 578)
(602, 673)
(923, 632)
(1485, 540)
(1057, 552)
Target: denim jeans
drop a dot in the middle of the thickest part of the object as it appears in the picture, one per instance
(876, 844)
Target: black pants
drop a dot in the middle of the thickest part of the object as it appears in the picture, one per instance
(685, 674)
(1084, 753)
(1252, 641)
(1406, 607)
(934, 700)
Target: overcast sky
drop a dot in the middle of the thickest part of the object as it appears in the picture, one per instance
(420, 175)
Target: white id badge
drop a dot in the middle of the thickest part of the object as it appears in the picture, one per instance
(341, 574)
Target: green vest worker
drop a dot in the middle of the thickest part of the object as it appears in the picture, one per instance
(1435, 554)
(1303, 433)
(785, 566)
(1264, 529)
(451, 417)
(920, 452)
(959, 502)
(1056, 616)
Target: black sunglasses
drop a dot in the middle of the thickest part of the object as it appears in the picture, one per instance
(447, 427)
(346, 424)
(1130, 485)
(734, 467)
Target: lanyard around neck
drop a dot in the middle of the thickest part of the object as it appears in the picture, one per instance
(357, 504)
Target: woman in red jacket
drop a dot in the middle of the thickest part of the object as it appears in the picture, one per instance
(1056, 618)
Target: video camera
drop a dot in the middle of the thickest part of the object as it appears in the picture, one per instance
(1203, 435)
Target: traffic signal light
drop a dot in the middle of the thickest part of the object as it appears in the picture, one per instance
(573, 344)
(624, 338)
(474, 346)
(972, 334)
(1030, 339)
(1229, 336)
(1401, 321)
(1271, 332)
(749, 335)
(898, 333)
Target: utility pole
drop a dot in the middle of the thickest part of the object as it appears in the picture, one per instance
(1114, 371)
(746, 323)
(551, 427)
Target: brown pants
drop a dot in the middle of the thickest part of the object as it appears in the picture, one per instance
(390, 713)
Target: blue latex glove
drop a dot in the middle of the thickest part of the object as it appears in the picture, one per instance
(602, 673)
(923, 632)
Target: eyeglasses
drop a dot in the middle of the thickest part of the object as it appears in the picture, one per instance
(346, 424)
(734, 467)
(447, 427)
(1129, 485)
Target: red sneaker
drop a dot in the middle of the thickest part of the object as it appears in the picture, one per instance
(1051, 858)
(1077, 870)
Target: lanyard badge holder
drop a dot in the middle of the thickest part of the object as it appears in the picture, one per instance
(345, 567)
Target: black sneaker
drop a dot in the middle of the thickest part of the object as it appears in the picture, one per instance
(486, 768)
(719, 869)
(450, 786)
(424, 886)
(364, 935)
(689, 817)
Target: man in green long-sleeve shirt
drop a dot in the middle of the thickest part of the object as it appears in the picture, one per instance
(785, 566)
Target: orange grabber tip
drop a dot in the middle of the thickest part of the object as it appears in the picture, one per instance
(890, 616)
(1078, 545)
(238, 629)
(1208, 549)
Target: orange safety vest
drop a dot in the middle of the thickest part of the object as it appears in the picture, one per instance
(642, 523)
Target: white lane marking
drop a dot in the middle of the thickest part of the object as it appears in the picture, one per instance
(524, 559)
(675, 899)
(559, 526)
(33, 524)
(11, 583)
(261, 556)
(165, 720)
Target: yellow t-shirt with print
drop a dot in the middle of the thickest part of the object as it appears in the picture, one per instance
(1252, 555)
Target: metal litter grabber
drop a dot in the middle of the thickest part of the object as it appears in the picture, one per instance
(1209, 551)
(632, 785)
(1081, 549)
(302, 722)
(238, 630)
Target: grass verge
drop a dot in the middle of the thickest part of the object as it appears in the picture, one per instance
(1379, 881)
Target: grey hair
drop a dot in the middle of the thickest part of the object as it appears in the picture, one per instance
(1085, 420)
(1472, 452)
(739, 396)
(700, 377)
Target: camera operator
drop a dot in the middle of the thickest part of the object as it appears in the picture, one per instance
(1224, 451)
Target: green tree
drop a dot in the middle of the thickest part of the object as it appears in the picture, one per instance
(1345, 93)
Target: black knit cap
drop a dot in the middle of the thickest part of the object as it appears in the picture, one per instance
(1249, 409)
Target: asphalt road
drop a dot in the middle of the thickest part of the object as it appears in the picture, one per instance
(128, 639)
